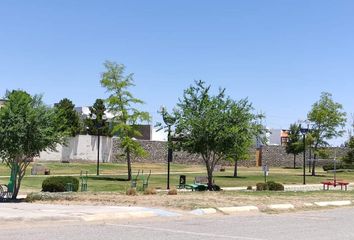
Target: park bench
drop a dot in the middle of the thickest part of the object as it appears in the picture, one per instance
(4, 192)
(200, 184)
(341, 183)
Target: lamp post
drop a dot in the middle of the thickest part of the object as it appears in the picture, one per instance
(98, 125)
(304, 131)
(169, 120)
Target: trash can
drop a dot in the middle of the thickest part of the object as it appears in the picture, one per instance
(182, 181)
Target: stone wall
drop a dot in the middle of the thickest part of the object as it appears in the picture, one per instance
(84, 148)
(276, 156)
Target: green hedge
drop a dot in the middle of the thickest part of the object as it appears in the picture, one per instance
(60, 184)
(271, 186)
(339, 165)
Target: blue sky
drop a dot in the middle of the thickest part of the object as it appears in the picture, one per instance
(280, 54)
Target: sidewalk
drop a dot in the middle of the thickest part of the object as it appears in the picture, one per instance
(51, 212)
(297, 187)
(55, 212)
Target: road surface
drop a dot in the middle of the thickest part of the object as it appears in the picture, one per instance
(317, 225)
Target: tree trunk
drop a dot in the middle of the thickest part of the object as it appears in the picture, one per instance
(314, 165)
(210, 180)
(16, 188)
(235, 169)
(129, 165)
(294, 161)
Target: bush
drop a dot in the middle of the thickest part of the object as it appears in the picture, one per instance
(271, 186)
(249, 188)
(60, 184)
(330, 166)
(131, 192)
(150, 191)
(339, 165)
(172, 191)
(261, 186)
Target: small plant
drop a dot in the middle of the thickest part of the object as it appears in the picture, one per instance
(249, 188)
(132, 192)
(271, 186)
(150, 191)
(261, 186)
(172, 191)
(60, 184)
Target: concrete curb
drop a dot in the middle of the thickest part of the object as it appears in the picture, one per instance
(203, 211)
(333, 203)
(113, 216)
(230, 210)
(41, 212)
(285, 206)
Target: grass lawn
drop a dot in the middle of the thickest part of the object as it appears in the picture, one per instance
(113, 175)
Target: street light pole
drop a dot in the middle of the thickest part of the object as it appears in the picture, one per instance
(304, 142)
(99, 123)
(169, 156)
(98, 151)
(169, 120)
(304, 132)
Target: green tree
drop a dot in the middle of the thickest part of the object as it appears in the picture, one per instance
(328, 120)
(295, 144)
(27, 127)
(246, 128)
(68, 120)
(349, 157)
(121, 103)
(97, 122)
(209, 125)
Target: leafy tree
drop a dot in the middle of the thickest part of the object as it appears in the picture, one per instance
(246, 129)
(68, 119)
(349, 157)
(295, 144)
(209, 125)
(27, 127)
(121, 103)
(97, 123)
(328, 120)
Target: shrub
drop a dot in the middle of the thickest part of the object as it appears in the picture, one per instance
(279, 187)
(150, 191)
(60, 183)
(249, 188)
(131, 192)
(330, 166)
(271, 186)
(339, 165)
(172, 191)
(261, 186)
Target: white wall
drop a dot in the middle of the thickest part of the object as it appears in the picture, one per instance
(81, 147)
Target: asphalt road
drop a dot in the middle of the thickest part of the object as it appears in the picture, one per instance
(328, 224)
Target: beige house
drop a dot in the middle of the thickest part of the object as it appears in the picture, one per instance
(2, 102)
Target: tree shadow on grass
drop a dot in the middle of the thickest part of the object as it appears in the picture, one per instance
(232, 177)
(309, 175)
(108, 178)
